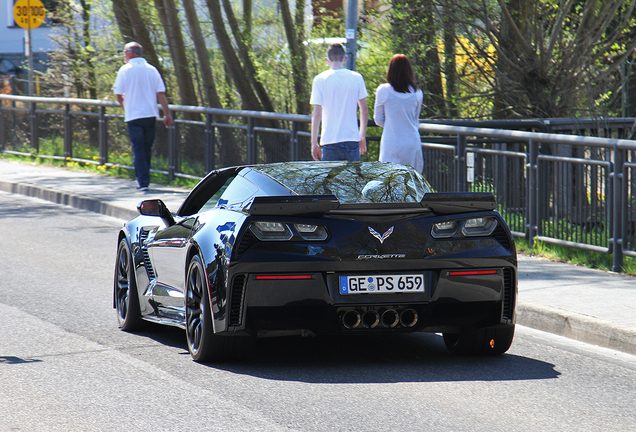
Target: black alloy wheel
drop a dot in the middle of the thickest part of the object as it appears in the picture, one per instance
(204, 345)
(199, 330)
(126, 299)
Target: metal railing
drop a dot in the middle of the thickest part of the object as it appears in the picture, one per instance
(190, 148)
(570, 190)
(576, 191)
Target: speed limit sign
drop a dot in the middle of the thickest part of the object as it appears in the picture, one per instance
(29, 14)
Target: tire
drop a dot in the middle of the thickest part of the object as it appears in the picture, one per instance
(204, 345)
(125, 290)
(472, 341)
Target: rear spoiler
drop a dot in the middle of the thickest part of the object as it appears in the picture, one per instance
(459, 202)
(299, 205)
(317, 205)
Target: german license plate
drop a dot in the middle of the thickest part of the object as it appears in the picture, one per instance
(381, 284)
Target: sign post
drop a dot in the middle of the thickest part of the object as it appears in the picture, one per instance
(352, 29)
(29, 14)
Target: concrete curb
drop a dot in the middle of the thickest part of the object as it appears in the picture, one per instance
(577, 326)
(65, 198)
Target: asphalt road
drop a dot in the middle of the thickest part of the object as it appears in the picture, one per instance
(65, 366)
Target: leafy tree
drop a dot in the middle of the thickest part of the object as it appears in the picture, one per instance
(547, 58)
(414, 33)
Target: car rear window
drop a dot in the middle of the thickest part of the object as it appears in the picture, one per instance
(357, 182)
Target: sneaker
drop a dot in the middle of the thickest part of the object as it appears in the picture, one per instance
(142, 188)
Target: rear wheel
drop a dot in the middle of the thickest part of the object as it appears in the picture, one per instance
(203, 344)
(126, 299)
(487, 341)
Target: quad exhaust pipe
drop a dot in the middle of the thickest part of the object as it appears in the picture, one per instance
(351, 319)
(370, 319)
(408, 318)
(389, 318)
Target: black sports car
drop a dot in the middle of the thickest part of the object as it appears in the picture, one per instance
(319, 248)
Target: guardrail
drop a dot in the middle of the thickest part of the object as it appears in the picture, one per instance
(562, 189)
(200, 139)
(577, 191)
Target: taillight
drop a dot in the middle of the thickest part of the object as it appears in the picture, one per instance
(271, 231)
(281, 231)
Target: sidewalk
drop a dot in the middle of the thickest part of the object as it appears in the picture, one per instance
(592, 306)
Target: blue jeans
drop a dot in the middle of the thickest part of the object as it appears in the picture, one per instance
(347, 151)
(142, 134)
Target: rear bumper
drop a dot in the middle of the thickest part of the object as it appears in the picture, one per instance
(452, 299)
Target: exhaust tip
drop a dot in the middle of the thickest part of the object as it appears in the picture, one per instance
(370, 319)
(408, 318)
(351, 319)
(390, 318)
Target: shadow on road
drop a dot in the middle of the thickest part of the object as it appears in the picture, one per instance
(419, 357)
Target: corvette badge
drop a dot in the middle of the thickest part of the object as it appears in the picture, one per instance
(382, 237)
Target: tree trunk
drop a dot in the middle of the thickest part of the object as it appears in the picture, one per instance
(228, 146)
(133, 29)
(209, 86)
(298, 56)
(238, 74)
(247, 19)
(243, 50)
(450, 67)
(168, 14)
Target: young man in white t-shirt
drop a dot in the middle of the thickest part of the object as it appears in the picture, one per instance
(336, 94)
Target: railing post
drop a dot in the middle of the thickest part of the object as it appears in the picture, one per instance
(617, 209)
(210, 144)
(172, 149)
(294, 145)
(3, 128)
(532, 203)
(461, 163)
(33, 124)
(68, 132)
(103, 136)
(251, 145)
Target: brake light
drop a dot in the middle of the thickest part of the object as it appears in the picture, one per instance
(471, 272)
(282, 277)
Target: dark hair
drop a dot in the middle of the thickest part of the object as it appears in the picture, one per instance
(400, 74)
(336, 52)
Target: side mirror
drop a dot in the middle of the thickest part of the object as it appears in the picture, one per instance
(156, 207)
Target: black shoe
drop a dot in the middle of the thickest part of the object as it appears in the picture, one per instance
(142, 188)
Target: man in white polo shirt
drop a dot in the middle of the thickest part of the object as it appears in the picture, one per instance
(137, 87)
(336, 95)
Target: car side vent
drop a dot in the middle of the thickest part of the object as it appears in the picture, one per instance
(247, 241)
(508, 298)
(143, 236)
(236, 300)
(500, 235)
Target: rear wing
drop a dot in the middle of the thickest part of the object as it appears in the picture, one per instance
(318, 205)
(459, 202)
(298, 205)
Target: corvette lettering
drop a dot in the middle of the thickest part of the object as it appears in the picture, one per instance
(384, 256)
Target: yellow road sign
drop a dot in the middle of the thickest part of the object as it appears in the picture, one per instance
(29, 14)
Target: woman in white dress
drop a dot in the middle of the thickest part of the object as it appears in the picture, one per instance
(397, 109)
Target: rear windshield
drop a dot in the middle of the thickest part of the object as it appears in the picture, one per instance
(351, 182)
